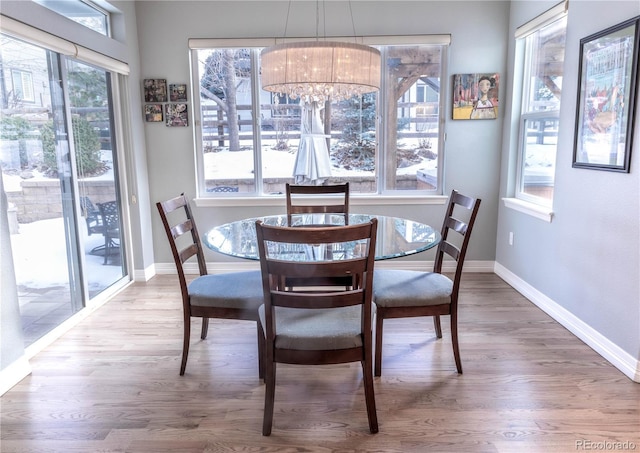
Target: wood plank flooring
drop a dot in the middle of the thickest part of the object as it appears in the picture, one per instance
(111, 384)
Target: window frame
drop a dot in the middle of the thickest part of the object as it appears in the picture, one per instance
(66, 9)
(537, 206)
(442, 41)
(25, 79)
(522, 141)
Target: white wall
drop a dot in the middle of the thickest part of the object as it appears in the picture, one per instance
(584, 266)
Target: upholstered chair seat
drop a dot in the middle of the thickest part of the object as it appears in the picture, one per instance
(237, 290)
(313, 330)
(402, 288)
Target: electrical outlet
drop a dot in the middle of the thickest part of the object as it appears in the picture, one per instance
(510, 237)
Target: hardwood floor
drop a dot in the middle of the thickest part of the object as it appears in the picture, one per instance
(111, 384)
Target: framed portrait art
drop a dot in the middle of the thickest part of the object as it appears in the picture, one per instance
(608, 78)
(475, 96)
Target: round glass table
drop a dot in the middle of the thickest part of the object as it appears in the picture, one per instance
(396, 236)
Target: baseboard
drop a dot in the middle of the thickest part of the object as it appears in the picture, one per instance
(13, 374)
(144, 275)
(619, 358)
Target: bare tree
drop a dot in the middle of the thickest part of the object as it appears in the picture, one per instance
(224, 71)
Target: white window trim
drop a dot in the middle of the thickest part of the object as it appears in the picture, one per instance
(520, 195)
(387, 198)
(538, 209)
(552, 14)
(535, 210)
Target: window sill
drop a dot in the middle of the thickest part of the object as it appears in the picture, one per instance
(541, 212)
(354, 200)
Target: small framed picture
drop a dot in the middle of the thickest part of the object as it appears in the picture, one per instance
(176, 115)
(153, 113)
(178, 92)
(608, 79)
(155, 90)
(475, 96)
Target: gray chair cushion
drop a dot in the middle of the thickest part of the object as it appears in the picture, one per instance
(400, 288)
(233, 290)
(319, 329)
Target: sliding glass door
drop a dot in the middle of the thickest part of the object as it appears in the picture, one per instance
(60, 171)
(96, 168)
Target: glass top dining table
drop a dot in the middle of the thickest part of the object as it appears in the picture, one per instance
(396, 236)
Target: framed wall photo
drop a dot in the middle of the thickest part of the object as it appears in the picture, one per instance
(155, 90)
(608, 78)
(475, 96)
(178, 92)
(153, 113)
(176, 115)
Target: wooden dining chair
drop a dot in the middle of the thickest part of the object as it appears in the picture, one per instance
(407, 293)
(297, 206)
(234, 295)
(322, 324)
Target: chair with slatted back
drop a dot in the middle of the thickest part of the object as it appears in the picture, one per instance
(93, 220)
(234, 295)
(110, 217)
(91, 216)
(299, 201)
(408, 293)
(296, 205)
(317, 325)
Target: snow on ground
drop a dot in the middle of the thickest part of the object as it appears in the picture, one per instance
(39, 248)
(40, 256)
(276, 164)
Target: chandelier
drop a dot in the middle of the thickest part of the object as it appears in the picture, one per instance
(320, 70)
(317, 71)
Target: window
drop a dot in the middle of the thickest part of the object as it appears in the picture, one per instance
(22, 86)
(542, 46)
(80, 11)
(382, 143)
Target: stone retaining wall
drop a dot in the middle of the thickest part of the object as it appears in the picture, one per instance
(41, 199)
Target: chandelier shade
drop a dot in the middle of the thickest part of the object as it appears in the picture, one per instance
(320, 70)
